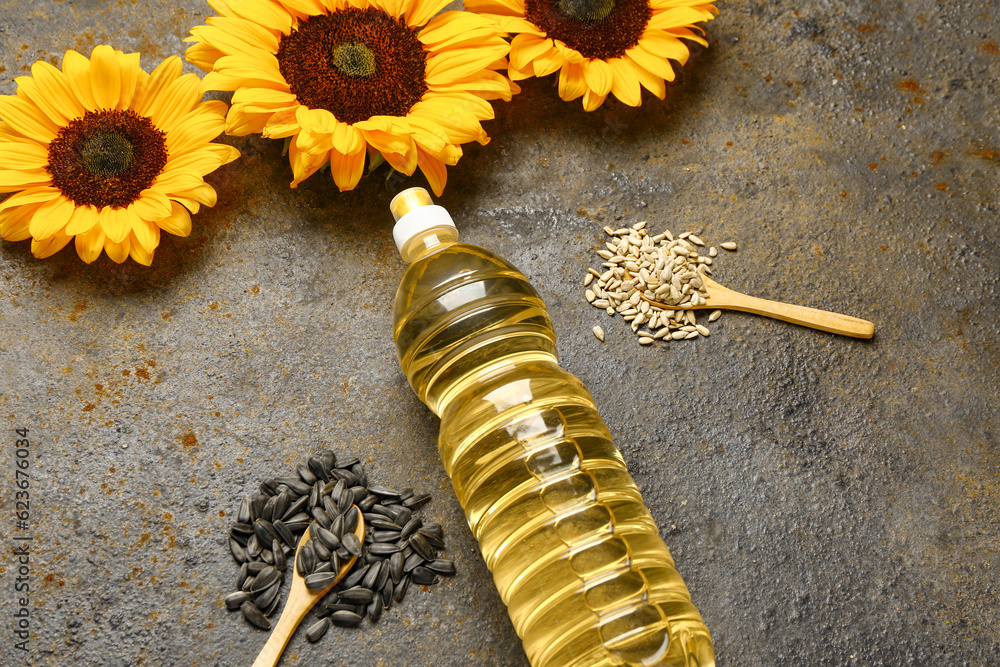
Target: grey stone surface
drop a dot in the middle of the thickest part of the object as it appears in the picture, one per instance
(828, 501)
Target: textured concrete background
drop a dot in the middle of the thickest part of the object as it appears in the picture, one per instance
(829, 501)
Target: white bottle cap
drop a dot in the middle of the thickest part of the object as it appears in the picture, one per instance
(414, 212)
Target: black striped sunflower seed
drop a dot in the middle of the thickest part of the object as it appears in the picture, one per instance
(345, 619)
(317, 630)
(421, 575)
(254, 615)
(318, 580)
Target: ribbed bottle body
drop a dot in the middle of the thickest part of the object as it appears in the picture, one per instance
(574, 552)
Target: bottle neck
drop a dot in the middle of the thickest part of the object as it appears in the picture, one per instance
(428, 241)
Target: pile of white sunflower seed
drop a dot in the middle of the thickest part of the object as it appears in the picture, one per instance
(640, 271)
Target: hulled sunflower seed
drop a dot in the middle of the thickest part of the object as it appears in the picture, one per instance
(599, 332)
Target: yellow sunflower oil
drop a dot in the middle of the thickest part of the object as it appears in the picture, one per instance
(574, 552)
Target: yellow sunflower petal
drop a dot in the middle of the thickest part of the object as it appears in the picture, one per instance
(459, 125)
(675, 17)
(268, 38)
(571, 82)
(524, 48)
(152, 205)
(626, 84)
(118, 252)
(175, 181)
(280, 125)
(161, 77)
(490, 85)
(198, 127)
(175, 101)
(304, 8)
(190, 204)
(144, 232)
(240, 124)
(347, 139)
(452, 28)
(514, 24)
(27, 119)
(178, 222)
(263, 12)
(202, 160)
(435, 172)
(15, 222)
(651, 82)
(105, 77)
(658, 65)
(319, 121)
(404, 163)
(262, 71)
(128, 67)
(420, 12)
(444, 67)
(140, 254)
(688, 33)
(48, 88)
(665, 46)
(304, 164)
(51, 217)
(115, 222)
(15, 181)
(76, 67)
(202, 56)
(47, 247)
(502, 7)
(90, 244)
(570, 55)
(203, 194)
(548, 62)
(599, 77)
(36, 195)
(592, 100)
(83, 220)
(266, 97)
(347, 169)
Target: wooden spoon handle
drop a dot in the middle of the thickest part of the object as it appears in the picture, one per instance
(291, 616)
(824, 320)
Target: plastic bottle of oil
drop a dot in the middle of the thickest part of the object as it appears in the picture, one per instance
(573, 550)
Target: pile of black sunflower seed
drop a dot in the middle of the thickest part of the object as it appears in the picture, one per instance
(327, 496)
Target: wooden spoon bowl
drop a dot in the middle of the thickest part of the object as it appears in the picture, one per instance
(300, 601)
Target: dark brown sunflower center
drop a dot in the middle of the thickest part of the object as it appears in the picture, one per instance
(355, 63)
(587, 10)
(600, 29)
(106, 158)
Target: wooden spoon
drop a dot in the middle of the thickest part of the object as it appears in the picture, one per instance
(300, 601)
(721, 297)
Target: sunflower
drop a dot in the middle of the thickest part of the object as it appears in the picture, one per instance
(599, 46)
(344, 78)
(106, 154)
